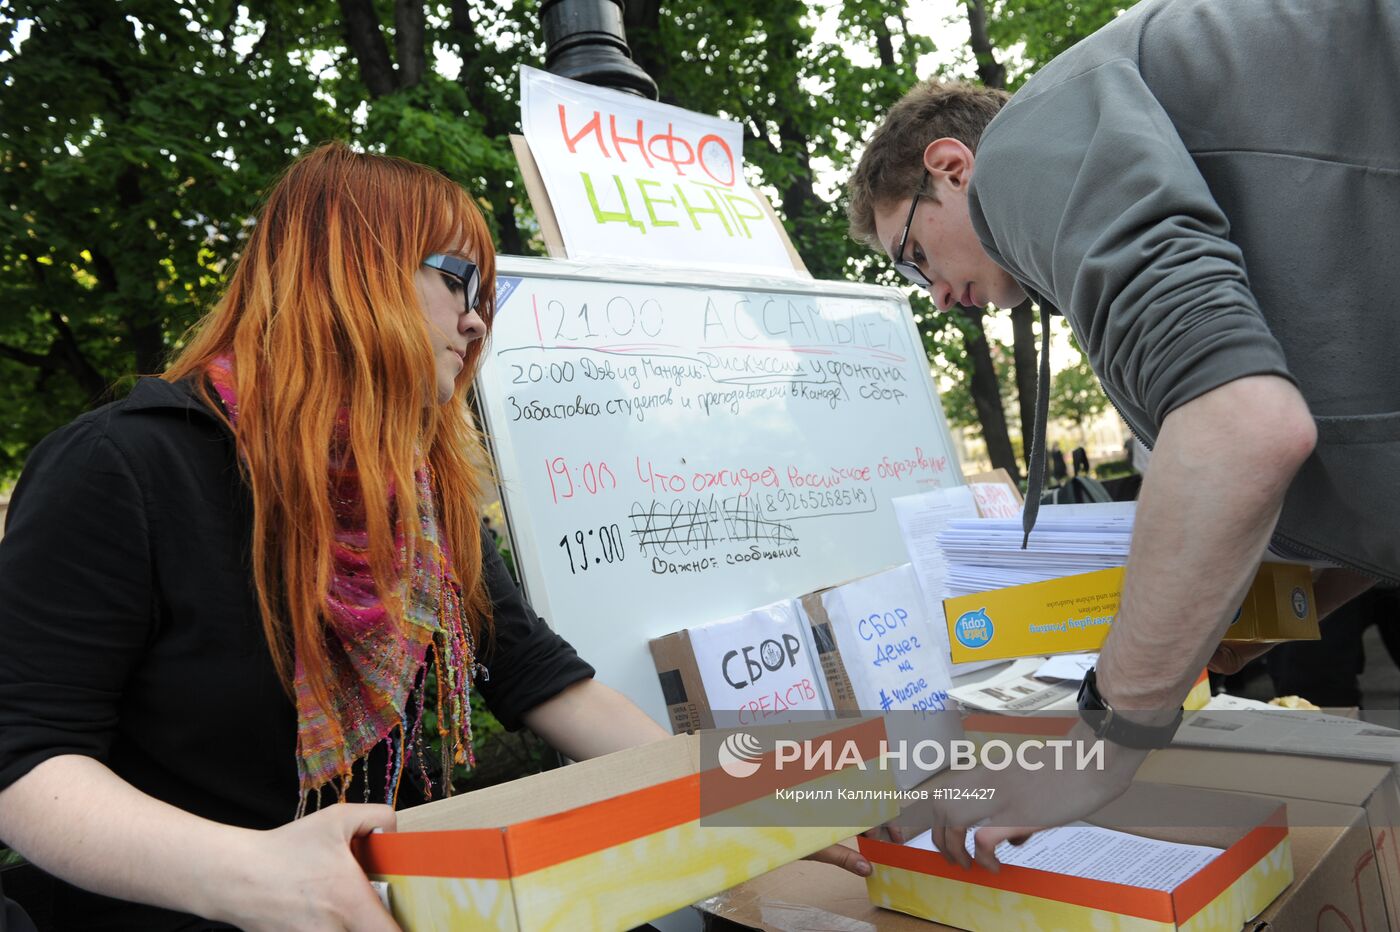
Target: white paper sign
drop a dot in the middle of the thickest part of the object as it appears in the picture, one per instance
(887, 643)
(995, 500)
(758, 669)
(637, 180)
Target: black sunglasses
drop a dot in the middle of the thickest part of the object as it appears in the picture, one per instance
(458, 273)
(906, 268)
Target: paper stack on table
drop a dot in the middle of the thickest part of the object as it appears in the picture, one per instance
(985, 553)
(1236, 724)
(1015, 689)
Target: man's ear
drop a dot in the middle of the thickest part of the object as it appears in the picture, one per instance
(950, 162)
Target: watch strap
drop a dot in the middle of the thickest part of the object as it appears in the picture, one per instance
(1105, 723)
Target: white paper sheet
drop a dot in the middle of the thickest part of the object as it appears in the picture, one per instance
(1071, 667)
(921, 519)
(1093, 853)
(888, 643)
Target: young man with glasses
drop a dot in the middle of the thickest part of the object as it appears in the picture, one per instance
(1129, 185)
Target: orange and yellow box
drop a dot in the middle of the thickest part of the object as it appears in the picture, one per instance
(610, 843)
(1254, 867)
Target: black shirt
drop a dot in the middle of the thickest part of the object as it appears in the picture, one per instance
(130, 629)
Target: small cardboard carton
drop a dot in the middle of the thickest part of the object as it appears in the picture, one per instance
(1254, 867)
(1074, 613)
(756, 668)
(1370, 787)
(612, 842)
(1338, 885)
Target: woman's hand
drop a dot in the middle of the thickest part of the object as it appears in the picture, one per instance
(301, 877)
(848, 859)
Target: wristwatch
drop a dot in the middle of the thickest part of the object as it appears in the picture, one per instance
(1108, 725)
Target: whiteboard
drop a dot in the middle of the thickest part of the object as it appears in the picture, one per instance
(679, 446)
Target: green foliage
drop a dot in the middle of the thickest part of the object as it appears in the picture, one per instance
(1075, 394)
(1041, 29)
(137, 135)
(134, 142)
(955, 366)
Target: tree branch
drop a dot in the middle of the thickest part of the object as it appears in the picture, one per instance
(25, 356)
(70, 353)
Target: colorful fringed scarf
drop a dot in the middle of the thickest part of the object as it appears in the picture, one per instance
(374, 665)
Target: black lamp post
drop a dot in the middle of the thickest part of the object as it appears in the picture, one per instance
(585, 40)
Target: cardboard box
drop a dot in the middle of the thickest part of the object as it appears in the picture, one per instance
(1370, 788)
(1278, 607)
(608, 843)
(1338, 885)
(1074, 613)
(756, 668)
(1253, 869)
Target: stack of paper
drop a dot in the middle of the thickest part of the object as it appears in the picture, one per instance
(1236, 724)
(985, 553)
(1017, 689)
(1083, 850)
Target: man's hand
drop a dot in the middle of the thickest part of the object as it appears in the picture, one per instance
(1020, 803)
(1232, 658)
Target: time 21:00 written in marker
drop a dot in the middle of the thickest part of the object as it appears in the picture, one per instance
(606, 542)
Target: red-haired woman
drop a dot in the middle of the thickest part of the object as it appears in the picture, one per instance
(195, 650)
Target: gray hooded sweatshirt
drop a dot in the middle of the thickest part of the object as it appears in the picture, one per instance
(1210, 189)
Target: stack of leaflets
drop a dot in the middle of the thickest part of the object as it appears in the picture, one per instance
(981, 554)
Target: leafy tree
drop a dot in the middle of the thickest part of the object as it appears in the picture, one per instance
(955, 365)
(135, 139)
(128, 183)
(1076, 395)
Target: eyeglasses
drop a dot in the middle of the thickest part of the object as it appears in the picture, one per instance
(906, 268)
(459, 275)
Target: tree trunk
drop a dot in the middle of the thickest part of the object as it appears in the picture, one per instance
(986, 397)
(989, 70)
(408, 41)
(1024, 356)
(884, 42)
(363, 35)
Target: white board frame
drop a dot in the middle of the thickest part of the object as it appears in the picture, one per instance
(641, 684)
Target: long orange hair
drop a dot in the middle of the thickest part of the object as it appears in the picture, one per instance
(323, 314)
